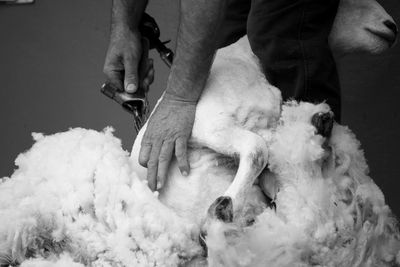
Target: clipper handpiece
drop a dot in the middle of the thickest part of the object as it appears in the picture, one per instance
(136, 104)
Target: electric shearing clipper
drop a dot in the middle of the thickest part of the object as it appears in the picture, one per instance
(137, 103)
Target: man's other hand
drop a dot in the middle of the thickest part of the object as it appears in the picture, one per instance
(127, 64)
(167, 133)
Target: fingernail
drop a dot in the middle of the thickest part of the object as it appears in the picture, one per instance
(131, 88)
(159, 185)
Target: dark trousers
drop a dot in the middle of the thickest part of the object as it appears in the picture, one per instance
(290, 37)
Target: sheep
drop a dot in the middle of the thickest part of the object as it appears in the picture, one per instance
(78, 199)
(210, 198)
(372, 30)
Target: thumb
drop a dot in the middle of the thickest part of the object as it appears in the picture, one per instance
(131, 79)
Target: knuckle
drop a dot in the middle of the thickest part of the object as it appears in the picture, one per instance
(130, 58)
(107, 70)
(152, 163)
(180, 148)
(130, 76)
(164, 158)
(181, 155)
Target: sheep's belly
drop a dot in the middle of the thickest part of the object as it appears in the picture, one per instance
(190, 197)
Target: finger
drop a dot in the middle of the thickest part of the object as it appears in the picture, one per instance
(181, 155)
(131, 80)
(149, 65)
(145, 85)
(145, 48)
(147, 81)
(150, 76)
(147, 69)
(144, 65)
(144, 154)
(114, 77)
(152, 165)
(163, 163)
(145, 61)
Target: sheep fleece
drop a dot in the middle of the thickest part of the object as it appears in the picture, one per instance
(75, 200)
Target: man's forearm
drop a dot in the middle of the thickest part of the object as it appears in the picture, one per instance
(127, 13)
(200, 21)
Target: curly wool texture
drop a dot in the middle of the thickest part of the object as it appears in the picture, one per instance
(329, 212)
(75, 197)
(76, 201)
(63, 260)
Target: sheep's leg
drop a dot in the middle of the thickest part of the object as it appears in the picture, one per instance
(253, 154)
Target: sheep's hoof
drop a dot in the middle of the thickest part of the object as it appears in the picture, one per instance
(323, 122)
(222, 209)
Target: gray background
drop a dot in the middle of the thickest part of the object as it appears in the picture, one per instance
(51, 58)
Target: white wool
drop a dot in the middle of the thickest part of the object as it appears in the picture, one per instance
(75, 200)
(64, 260)
(329, 212)
(76, 193)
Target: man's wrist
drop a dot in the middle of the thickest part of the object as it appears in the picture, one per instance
(122, 29)
(127, 13)
(196, 46)
(182, 86)
(173, 96)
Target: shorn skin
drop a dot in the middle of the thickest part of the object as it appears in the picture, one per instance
(78, 199)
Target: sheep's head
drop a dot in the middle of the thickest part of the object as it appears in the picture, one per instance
(362, 26)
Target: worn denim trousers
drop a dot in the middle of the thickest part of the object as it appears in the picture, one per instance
(290, 37)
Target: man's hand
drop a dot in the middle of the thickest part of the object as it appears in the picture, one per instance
(126, 65)
(168, 132)
(171, 124)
